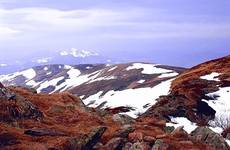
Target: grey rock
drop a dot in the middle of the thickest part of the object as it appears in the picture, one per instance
(160, 145)
(124, 132)
(43, 132)
(207, 136)
(86, 142)
(115, 144)
(123, 119)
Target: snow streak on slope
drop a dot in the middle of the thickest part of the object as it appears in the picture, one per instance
(28, 74)
(148, 68)
(140, 99)
(75, 78)
(211, 77)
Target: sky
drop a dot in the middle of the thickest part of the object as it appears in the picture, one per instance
(178, 32)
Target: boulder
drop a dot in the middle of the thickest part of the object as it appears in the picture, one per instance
(85, 142)
(7, 139)
(124, 132)
(127, 146)
(123, 119)
(206, 135)
(160, 145)
(140, 146)
(43, 132)
(179, 132)
(115, 144)
(149, 139)
(14, 107)
(136, 137)
(5, 94)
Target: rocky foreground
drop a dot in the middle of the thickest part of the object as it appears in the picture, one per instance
(61, 122)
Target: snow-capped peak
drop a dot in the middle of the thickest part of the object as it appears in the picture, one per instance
(77, 53)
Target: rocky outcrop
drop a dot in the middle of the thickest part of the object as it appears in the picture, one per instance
(6, 94)
(206, 135)
(44, 132)
(85, 142)
(14, 107)
(114, 144)
(189, 89)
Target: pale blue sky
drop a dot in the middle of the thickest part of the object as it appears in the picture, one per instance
(178, 32)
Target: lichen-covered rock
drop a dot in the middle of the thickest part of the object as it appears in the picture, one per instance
(85, 142)
(7, 139)
(206, 135)
(124, 132)
(123, 119)
(136, 137)
(43, 132)
(14, 107)
(140, 146)
(115, 144)
(160, 145)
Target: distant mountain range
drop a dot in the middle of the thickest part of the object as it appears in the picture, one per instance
(71, 56)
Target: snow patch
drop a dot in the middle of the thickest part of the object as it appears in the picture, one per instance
(111, 69)
(167, 75)
(221, 104)
(148, 68)
(73, 73)
(141, 81)
(103, 78)
(28, 74)
(135, 98)
(188, 125)
(48, 73)
(216, 129)
(181, 121)
(67, 67)
(32, 83)
(212, 76)
(88, 67)
(45, 68)
(227, 141)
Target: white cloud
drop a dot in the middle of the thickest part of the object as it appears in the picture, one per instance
(77, 53)
(43, 60)
(3, 65)
(6, 31)
(105, 23)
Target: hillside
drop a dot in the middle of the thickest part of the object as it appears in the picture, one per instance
(200, 94)
(31, 121)
(101, 85)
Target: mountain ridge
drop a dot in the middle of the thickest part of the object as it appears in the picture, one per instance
(99, 83)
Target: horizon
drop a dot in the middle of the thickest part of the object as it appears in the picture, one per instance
(176, 33)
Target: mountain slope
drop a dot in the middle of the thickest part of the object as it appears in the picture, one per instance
(60, 121)
(200, 94)
(101, 86)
